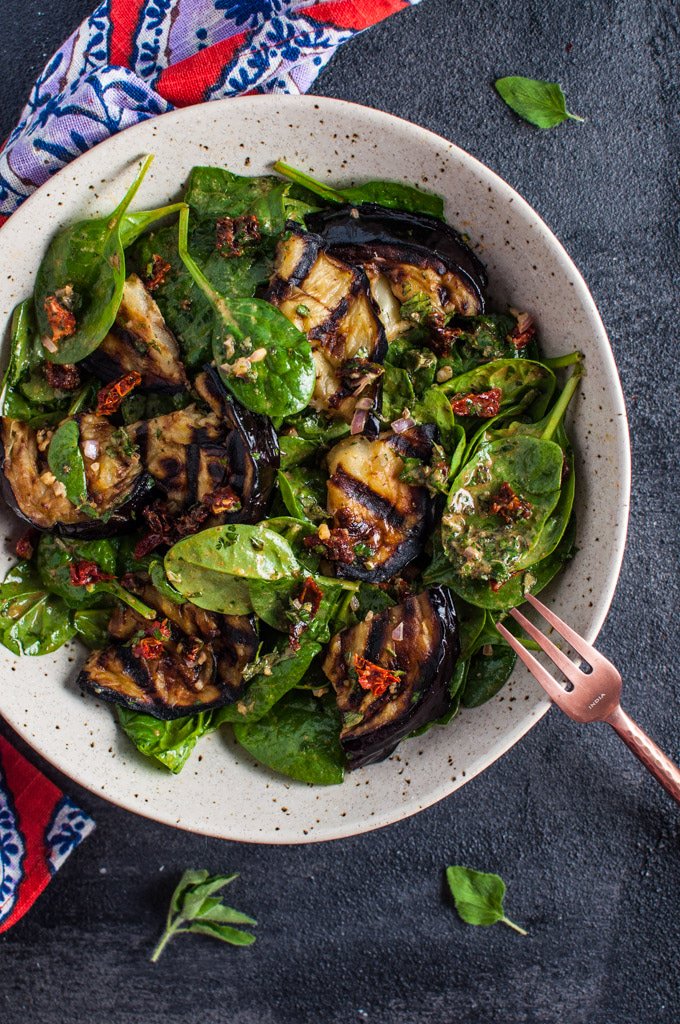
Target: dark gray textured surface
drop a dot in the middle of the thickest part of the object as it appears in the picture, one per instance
(361, 930)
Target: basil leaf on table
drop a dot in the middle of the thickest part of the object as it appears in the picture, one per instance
(299, 738)
(479, 896)
(392, 194)
(212, 568)
(86, 258)
(281, 380)
(540, 103)
(193, 908)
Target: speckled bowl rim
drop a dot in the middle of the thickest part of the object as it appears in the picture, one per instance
(504, 191)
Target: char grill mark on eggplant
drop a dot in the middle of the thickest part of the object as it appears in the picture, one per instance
(185, 452)
(421, 662)
(404, 254)
(252, 449)
(140, 340)
(331, 302)
(199, 667)
(377, 510)
(116, 483)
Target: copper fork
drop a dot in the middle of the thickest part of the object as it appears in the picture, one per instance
(595, 696)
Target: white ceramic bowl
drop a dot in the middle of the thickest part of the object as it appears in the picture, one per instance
(221, 791)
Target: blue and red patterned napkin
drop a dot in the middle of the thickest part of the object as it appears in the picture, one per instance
(131, 60)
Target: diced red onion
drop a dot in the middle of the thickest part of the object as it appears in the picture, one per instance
(398, 632)
(91, 449)
(361, 411)
(401, 425)
(50, 345)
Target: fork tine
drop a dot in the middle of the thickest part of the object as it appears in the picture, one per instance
(556, 692)
(592, 656)
(571, 671)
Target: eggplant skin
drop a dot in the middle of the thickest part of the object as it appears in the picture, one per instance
(140, 340)
(367, 499)
(423, 660)
(172, 685)
(116, 482)
(370, 227)
(252, 449)
(331, 302)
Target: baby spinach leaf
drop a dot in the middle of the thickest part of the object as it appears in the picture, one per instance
(303, 491)
(170, 743)
(92, 627)
(280, 673)
(479, 896)
(489, 670)
(480, 339)
(193, 908)
(299, 738)
(513, 591)
(523, 383)
(132, 225)
(84, 268)
(295, 450)
(216, 192)
(186, 310)
(65, 459)
(212, 568)
(410, 352)
(54, 558)
(540, 103)
(281, 380)
(32, 621)
(480, 542)
(397, 393)
(392, 194)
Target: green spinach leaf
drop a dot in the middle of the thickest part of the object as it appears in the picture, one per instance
(280, 380)
(392, 194)
(32, 621)
(54, 558)
(212, 568)
(299, 738)
(280, 672)
(84, 270)
(170, 743)
(65, 459)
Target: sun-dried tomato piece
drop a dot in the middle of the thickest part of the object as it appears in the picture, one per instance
(485, 405)
(111, 396)
(233, 232)
(62, 377)
(61, 320)
(159, 629)
(373, 677)
(157, 271)
(523, 332)
(191, 649)
(148, 648)
(26, 544)
(224, 499)
(164, 529)
(85, 572)
(508, 505)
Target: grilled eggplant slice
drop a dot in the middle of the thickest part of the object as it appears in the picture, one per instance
(331, 302)
(117, 485)
(252, 449)
(380, 522)
(404, 255)
(413, 648)
(197, 667)
(186, 453)
(140, 340)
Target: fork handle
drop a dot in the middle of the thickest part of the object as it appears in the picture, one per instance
(654, 759)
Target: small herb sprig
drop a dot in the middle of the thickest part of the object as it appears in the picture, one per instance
(479, 897)
(194, 908)
(540, 103)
